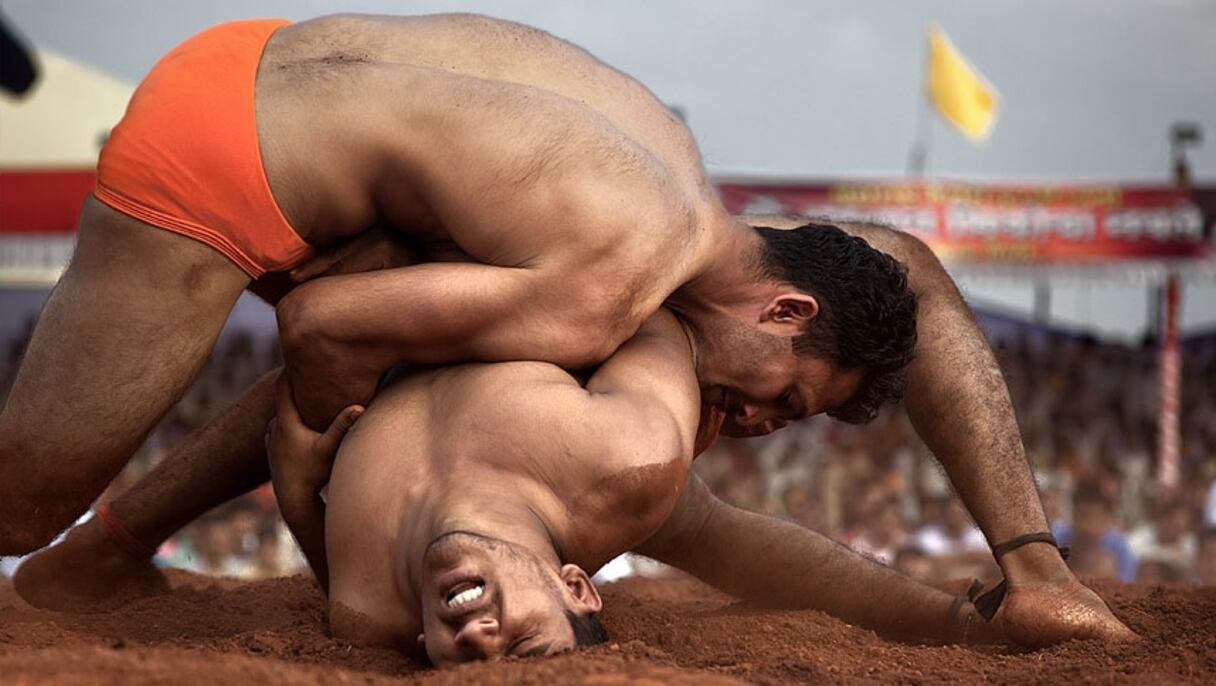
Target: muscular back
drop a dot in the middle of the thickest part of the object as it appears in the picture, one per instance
(515, 146)
(576, 198)
(497, 51)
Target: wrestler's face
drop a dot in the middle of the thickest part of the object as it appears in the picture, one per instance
(748, 370)
(484, 598)
(766, 390)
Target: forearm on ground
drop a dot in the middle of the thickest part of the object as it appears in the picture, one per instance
(778, 564)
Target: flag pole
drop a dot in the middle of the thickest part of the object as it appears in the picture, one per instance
(918, 154)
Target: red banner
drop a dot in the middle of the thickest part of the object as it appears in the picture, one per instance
(961, 222)
(43, 201)
(1009, 223)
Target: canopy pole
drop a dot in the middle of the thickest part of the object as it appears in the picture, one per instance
(1170, 372)
(1042, 301)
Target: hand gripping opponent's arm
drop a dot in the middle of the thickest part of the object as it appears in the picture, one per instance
(300, 464)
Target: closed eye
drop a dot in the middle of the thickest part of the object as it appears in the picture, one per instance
(787, 405)
(518, 643)
(537, 651)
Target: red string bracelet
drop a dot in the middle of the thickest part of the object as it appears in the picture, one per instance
(119, 534)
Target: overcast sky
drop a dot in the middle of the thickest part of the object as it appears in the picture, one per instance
(828, 88)
(811, 88)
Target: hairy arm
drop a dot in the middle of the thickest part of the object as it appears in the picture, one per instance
(340, 333)
(568, 227)
(959, 405)
(956, 376)
(774, 563)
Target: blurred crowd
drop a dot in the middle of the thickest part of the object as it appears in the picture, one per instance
(1088, 416)
(1087, 412)
(245, 538)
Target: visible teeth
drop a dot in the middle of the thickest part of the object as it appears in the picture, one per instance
(466, 596)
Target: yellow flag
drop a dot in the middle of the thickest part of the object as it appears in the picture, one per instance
(962, 95)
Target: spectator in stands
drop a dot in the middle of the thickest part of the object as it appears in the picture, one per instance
(1090, 558)
(881, 533)
(1209, 508)
(913, 562)
(1205, 567)
(1096, 525)
(800, 507)
(957, 546)
(1165, 546)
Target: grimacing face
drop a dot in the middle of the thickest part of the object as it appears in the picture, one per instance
(782, 389)
(484, 598)
(749, 372)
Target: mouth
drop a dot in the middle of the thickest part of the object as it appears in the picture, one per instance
(464, 593)
(463, 597)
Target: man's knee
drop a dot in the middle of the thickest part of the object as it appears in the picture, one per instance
(34, 506)
(29, 522)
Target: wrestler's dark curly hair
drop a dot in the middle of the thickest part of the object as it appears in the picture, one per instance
(867, 312)
(587, 629)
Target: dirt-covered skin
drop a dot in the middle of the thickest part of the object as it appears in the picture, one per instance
(669, 631)
(53, 580)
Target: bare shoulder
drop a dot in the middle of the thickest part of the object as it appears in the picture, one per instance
(506, 392)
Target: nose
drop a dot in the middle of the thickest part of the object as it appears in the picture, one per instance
(756, 414)
(748, 414)
(758, 419)
(479, 636)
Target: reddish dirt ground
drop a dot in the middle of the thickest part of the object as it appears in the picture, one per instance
(663, 632)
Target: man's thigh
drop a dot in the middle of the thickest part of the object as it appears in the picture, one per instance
(118, 341)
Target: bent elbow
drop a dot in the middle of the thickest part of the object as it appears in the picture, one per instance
(303, 325)
(586, 354)
(584, 341)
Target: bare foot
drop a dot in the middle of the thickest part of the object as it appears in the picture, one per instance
(1039, 615)
(86, 572)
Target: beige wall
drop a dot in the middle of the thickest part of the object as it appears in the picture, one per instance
(63, 120)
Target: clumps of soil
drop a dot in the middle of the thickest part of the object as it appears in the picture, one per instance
(672, 631)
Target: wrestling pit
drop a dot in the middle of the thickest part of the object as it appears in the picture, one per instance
(663, 631)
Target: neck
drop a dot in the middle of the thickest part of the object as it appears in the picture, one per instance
(727, 287)
(502, 511)
(726, 269)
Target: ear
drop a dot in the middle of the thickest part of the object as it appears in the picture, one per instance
(788, 314)
(585, 595)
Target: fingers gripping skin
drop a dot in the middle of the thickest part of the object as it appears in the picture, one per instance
(300, 464)
(300, 458)
(372, 250)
